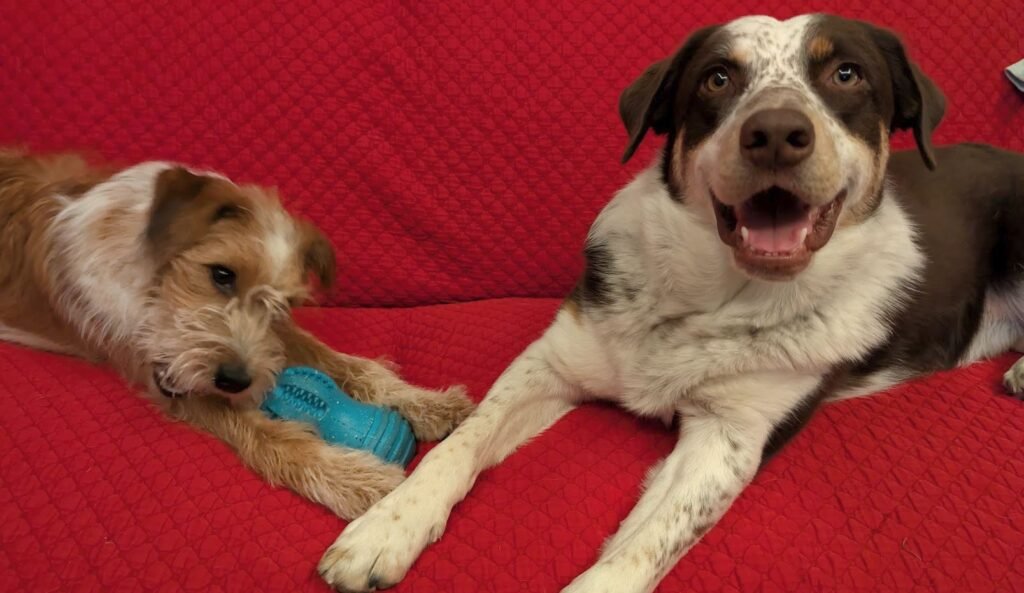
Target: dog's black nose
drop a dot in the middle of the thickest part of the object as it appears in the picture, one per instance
(232, 378)
(777, 138)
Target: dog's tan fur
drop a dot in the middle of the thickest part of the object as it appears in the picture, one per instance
(116, 268)
(26, 280)
(820, 48)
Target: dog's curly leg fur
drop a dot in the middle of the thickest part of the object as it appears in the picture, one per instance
(290, 454)
(432, 414)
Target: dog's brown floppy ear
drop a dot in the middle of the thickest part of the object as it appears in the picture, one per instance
(918, 103)
(184, 206)
(318, 256)
(647, 102)
(641, 105)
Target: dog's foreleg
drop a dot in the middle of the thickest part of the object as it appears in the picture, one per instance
(376, 550)
(718, 452)
(289, 454)
(691, 490)
(432, 414)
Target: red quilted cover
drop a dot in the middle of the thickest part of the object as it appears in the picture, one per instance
(457, 151)
(912, 491)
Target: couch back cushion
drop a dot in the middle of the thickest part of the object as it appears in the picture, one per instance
(452, 150)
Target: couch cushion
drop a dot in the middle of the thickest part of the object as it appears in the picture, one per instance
(914, 490)
(453, 150)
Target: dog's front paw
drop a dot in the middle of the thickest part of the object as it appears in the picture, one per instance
(376, 550)
(1013, 379)
(434, 414)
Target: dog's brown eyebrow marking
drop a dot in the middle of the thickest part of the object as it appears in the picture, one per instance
(737, 55)
(731, 62)
(821, 48)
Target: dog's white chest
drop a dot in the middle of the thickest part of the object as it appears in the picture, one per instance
(649, 369)
(668, 365)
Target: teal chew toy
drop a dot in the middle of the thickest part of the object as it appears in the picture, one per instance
(308, 395)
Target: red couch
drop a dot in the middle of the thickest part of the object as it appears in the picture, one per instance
(457, 155)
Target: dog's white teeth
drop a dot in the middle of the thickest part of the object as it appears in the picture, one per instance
(803, 235)
(745, 233)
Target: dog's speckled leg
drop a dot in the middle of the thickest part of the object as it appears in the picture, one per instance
(376, 550)
(723, 431)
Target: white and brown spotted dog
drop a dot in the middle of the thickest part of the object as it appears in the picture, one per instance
(773, 256)
(184, 281)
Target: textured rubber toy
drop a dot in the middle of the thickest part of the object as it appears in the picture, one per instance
(308, 395)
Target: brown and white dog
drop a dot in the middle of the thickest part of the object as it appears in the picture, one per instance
(183, 281)
(773, 256)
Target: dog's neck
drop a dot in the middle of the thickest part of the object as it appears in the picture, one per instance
(692, 271)
(100, 266)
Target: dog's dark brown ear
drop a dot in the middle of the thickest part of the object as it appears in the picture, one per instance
(318, 255)
(647, 102)
(184, 207)
(918, 103)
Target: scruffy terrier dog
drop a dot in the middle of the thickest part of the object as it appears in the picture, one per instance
(184, 281)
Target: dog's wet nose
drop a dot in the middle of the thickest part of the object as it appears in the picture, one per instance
(232, 378)
(777, 138)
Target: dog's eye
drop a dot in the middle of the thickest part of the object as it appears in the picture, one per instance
(717, 80)
(846, 75)
(223, 278)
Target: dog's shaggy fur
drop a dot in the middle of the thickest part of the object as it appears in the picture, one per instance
(774, 255)
(184, 281)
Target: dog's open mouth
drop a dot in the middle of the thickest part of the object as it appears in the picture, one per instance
(774, 233)
(159, 378)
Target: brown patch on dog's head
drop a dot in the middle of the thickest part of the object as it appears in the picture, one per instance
(896, 93)
(185, 206)
(230, 262)
(318, 255)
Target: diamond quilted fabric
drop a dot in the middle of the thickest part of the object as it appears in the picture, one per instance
(456, 152)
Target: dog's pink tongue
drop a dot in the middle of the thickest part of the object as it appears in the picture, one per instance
(767, 233)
